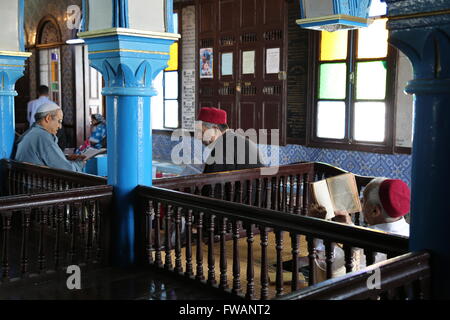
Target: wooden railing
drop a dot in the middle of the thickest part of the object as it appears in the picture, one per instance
(25, 178)
(44, 233)
(406, 277)
(192, 219)
(284, 191)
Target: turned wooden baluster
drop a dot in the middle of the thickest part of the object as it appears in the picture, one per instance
(298, 195)
(211, 261)
(58, 225)
(199, 275)
(73, 226)
(158, 259)
(276, 195)
(329, 258)
(295, 250)
(241, 190)
(231, 195)
(41, 254)
(348, 251)
(305, 194)
(189, 269)
(259, 192)
(213, 191)
(370, 257)
(26, 215)
(223, 257)
(249, 193)
(178, 264)
(90, 227)
(149, 213)
(236, 263)
(98, 227)
(284, 204)
(279, 248)
(291, 194)
(222, 191)
(6, 217)
(250, 266)
(264, 267)
(168, 236)
(268, 193)
(312, 255)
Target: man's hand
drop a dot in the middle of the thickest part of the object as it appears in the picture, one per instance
(317, 211)
(76, 157)
(342, 217)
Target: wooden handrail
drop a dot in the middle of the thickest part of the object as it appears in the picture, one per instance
(332, 231)
(19, 202)
(394, 273)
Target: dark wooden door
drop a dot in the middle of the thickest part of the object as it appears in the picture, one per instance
(242, 35)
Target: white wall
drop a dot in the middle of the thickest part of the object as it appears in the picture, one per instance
(148, 15)
(9, 39)
(100, 14)
(404, 103)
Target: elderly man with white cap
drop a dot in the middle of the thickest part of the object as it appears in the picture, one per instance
(39, 144)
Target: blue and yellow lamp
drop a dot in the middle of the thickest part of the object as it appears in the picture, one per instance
(12, 65)
(334, 15)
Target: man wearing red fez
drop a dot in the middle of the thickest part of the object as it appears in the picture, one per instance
(384, 205)
(219, 138)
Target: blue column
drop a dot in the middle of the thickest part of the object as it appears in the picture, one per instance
(425, 40)
(12, 65)
(128, 63)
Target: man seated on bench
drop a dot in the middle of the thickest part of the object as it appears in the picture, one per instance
(384, 205)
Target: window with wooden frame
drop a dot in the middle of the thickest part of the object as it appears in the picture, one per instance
(166, 105)
(353, 105)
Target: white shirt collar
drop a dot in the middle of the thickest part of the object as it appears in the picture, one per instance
(399, 227)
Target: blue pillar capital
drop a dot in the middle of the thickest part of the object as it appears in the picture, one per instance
(129, 60)
(12, 66)
(421, 30)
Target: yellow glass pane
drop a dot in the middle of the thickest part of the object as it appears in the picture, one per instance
(173, 61)
(333, 45)
(372, 41)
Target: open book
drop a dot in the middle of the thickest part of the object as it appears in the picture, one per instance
(89, 153)
(337, 193)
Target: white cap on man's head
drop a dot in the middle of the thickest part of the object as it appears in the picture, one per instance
(47, 107)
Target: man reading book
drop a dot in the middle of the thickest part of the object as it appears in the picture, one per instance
(385, 203)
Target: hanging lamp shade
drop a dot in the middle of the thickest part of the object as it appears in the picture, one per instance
(11, 17)
(144, 15)
(333, 15)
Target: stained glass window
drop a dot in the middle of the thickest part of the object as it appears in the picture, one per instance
(333, 45)
(352, 77)
(333, 81)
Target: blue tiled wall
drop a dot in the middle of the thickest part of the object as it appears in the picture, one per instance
(362, 163)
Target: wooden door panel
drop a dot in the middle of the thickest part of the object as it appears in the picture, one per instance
(227, 15)
(248, 14)
(207, 17)
(248, 116)
(273, 12)
(271, 115)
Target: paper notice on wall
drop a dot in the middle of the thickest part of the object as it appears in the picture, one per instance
(273, 60)
(248, 62)
(188, 74)
(188, 100)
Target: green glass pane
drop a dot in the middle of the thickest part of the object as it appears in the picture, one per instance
(332, 81)
(371, 80)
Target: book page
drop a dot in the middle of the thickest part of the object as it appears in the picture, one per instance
(92, 152)
(321, 196)
(344, 193)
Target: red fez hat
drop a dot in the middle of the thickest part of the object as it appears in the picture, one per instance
(212, 115)
(395, 197)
